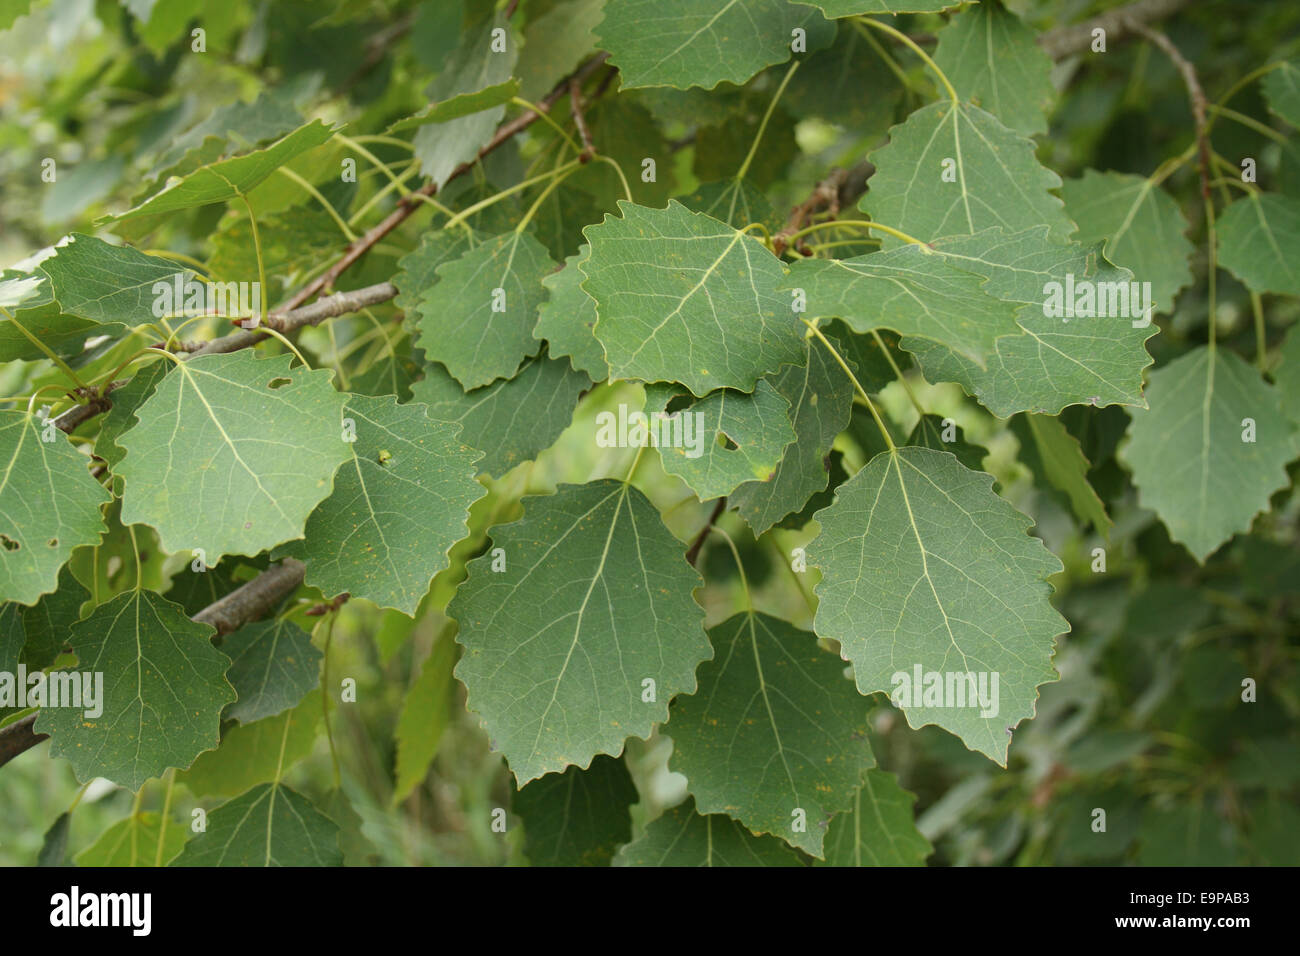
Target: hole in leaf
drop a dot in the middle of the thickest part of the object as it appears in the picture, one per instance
(677, 403)
(9, 543)
(279, 382)
(726, 442)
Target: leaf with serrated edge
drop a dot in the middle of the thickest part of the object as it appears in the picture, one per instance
(102, 282)
(595, 600)
(994, 59)
(775, 728)
(1054, 455)
(512, 420)
(996, 179)
(269, 825)
(929, 432)
(272, 666)
(228, 179)
(1187, 456)
(134, 842)
(231, 453)
(567, 319)
(579, 817)
(1051, 362)
(49, 504)
(878, 830)
(922, 564)
(397, 507)
(418, 269)
(821, 398)
(756, 424)
(682, 837)
(909, 290)
(1259, 242)
(459, 322)
(685, 43)
(163, 692)
(1143, 228)
(682, 297)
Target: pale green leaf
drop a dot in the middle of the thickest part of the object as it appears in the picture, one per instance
(684, 43)
(994, 178)
(1054, 455)
(1143, 228)
(228, 179)
(164, 687)
(682, 837)
(477, 319)
(1187, 456)
(995, 61)
(924, 566)
(269, 825)
(879, 829)
(567, 319)
(257, 752)
(910, 290)
(49, 504)
(1281, 88)
(682, 297)
(579, 817)
(398, 506)
(426, 712)
(95, 280)
(595, 600)
(134, 842)
(232, 453)
(722, 440)
(1259, 242)
(272, 666)
(852, 8)
(1286, 374)
(776, 736)
(512, 420)
(460, 105)
(554, 43)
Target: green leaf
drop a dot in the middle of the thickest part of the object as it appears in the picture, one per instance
(879, 829)
(910, 290)
(1051, 362)
(595, 601)
(269, 825)
(54, 846)
(852, 8)
(227, 179)
(734, 201)
(663, 281)
(1143, 228)
(426, 712)
(567, 319)
(1054, 455)
(232, 453)
(272, 666)
(95, 280)
(684, 43)
(32, 307)
(995, 179)
(1287, 373)
(46, 624)
(49, 504)
(821, 398)
(1281, 88)
(1187, 456)
(1259, 242)
(727, 437)
(554, 43)
(995, 61)
(292, 242)
(256, 752)
(471, 69)
(929, 433)
(477, 319)
(134, 842)
(512, 420)
(121, 417)
(397, 508)
(164, 687)
(419, 267)
(924, 566)
(579, 817)
(776, 736)
(463, 104)
(682, 837)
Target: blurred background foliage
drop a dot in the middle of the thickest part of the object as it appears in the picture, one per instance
(1147, 720)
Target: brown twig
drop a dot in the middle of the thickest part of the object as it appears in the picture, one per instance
(1194, 93)
(693, 552)
(839, 189)
(575, 106)
(18, 737)
(1066, 41)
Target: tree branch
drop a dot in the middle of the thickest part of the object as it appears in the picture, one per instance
(1194, 93)
(1118, 23)
(18, 738)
